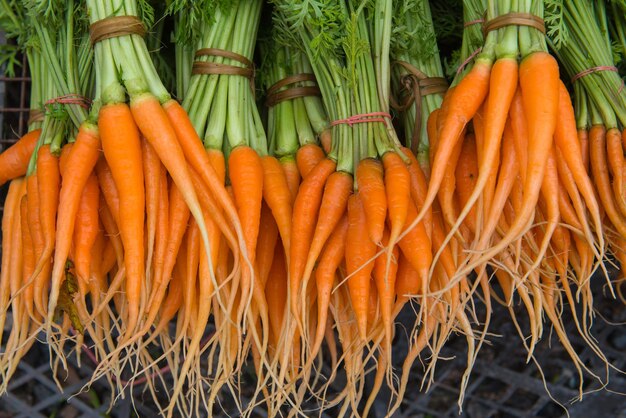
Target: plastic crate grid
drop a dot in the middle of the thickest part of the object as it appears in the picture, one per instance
(502, 385)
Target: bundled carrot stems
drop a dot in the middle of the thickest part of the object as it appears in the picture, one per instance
(256, 232)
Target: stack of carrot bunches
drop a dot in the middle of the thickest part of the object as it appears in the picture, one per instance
(180, 238)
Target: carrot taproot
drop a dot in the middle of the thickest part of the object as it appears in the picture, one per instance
(14, 161)
(277, 195)
(385, 281)
(28, 258)
(565, 136)
(359, 262)
(539, 81)
(86, 231)
(122, 149)
(151, 173)
(466, 176)
(331, 258)
(397, 188)
(82, 158)
(583, 140)
(307, 157)
(446, 196)
(305, 211)
(615, 154)
(600, 171)
(276, 293)
(108, 188)
(292, 174)
(371, 186)
(419, 186)
(48, 182)
(36, 233)
(408, 282)
(266, 243)
(334, 201)
(246, 176)
(8, 225)
(462, 104)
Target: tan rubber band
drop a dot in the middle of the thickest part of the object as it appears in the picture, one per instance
(274, 96)
(115, 26)
(519, 19)
(418, 85)
(35, 115)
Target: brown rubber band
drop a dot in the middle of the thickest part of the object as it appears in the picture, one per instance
(114, 26)
(274, 96)
(519, 19)
(208, 68)
(35, 115)
(417, 84)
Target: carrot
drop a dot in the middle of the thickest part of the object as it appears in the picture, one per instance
(615, 155)
(177, 225)
(292, 174)
(307, 157)
(360, 251)
(305, 211)
(14, 161)
(600, 171)
(370, 184)
(151, 174)
(28, 258)
(108, 188)
(466, 177)
(447, 201)
(408, 282)
(462, 103)
(502, 87)
(82, 158)
(419, 187)
(333, 254)
(169, 131)
(539, 81)
(122, 149)
(86, 232)
(334, 201)
(416, 246)
(48, 182)
(8, 226)
(246, 176)
(565, 138)
(397, 188)
(385, 281)
(266, 244)
(277, 195)
(276, 294)
(519, 127)
(34, 224)
(583, 140)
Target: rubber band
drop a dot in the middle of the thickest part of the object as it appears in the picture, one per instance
(363, 118)
(274, 96)
(594, 70)
(418, 85)
(209, 68)
(518, 19)
(467, 61)
(114, 26)
(204, 67)
(69, 99)
(474, 22)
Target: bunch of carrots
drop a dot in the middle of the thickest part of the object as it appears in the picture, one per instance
(284, 214)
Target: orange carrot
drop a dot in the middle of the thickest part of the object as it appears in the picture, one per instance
(14, 161)
(615, 155)
(371, 187)
(360, 251)
(48, 182)
(86, 232)
(122, 150)
(305, 211)
(307, 157)
(82, 158)
(266, 244)
(277, 195)
(385, 281)
(397, 188)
